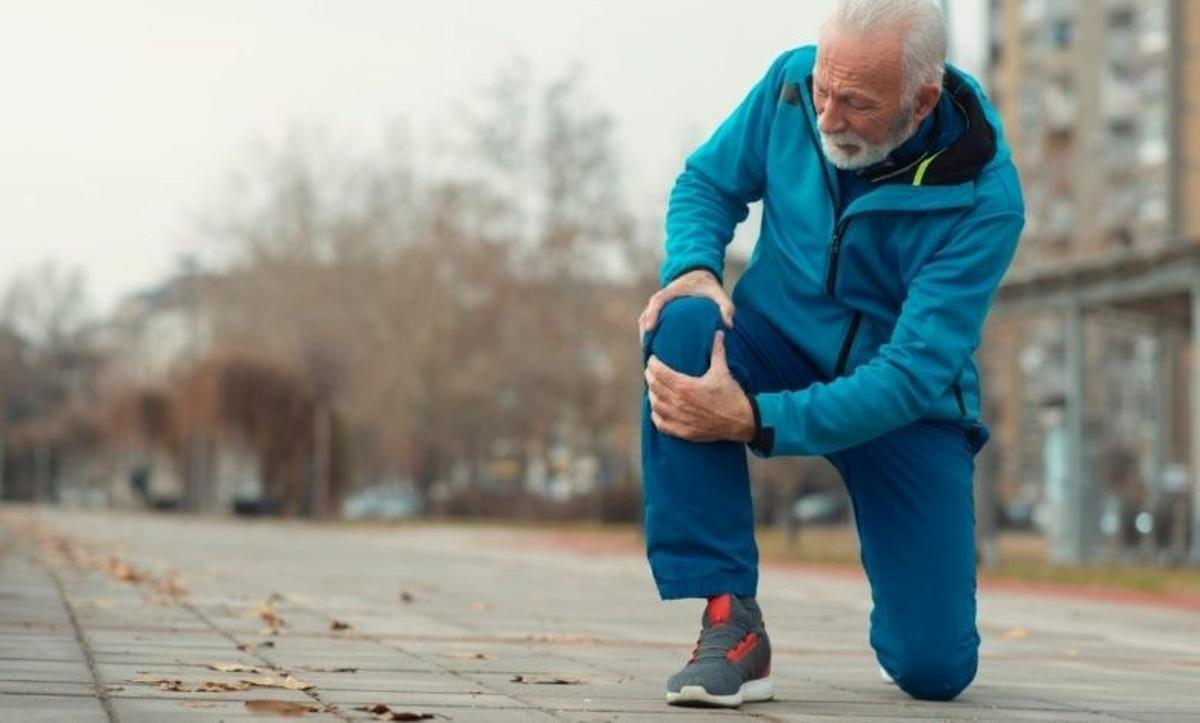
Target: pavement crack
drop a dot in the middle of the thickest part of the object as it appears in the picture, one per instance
(313, 693)
(84, 646)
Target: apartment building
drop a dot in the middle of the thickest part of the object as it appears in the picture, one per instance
(1101, 103)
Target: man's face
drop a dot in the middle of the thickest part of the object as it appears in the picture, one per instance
(858, 92)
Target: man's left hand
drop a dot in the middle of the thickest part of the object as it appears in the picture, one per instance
(700, 409)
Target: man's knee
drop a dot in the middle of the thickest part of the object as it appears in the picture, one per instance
(683, 337)
(934, 672)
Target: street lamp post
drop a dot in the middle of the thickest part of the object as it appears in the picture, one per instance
(1195, 420)
(2, 458)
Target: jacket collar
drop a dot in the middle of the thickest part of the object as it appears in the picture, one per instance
(965, 157)
(951, 169)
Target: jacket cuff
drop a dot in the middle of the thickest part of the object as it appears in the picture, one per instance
(670, 275)
(764, 437)
(697, 267)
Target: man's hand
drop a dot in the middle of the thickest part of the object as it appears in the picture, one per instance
(700, 282)
(700, 409)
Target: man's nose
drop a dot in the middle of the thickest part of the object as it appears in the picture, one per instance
(830, 119)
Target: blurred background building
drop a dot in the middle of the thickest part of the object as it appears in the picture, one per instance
(1101, 102)
(441, 321)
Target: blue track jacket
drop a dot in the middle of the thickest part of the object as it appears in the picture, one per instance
(889, 298)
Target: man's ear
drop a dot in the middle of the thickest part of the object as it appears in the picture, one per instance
(928, 96)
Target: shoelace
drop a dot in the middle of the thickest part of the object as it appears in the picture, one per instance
(716, 642)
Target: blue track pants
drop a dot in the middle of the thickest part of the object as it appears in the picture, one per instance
(911, 491)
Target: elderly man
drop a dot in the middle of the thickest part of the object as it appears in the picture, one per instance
(891, 210)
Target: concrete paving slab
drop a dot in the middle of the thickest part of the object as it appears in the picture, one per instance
(195, 711)
(421, 602)
(46, 687)
(51, 709)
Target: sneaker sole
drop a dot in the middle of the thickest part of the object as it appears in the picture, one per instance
(752, 691)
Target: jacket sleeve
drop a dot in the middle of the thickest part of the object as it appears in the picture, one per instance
(939, 327)
(720, 179)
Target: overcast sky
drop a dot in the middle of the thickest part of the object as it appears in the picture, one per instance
(123, 118)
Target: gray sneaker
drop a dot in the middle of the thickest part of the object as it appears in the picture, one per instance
(731, 661)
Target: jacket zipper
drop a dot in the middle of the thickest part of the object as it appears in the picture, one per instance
(835, 251)
(958, 395)
(847, 343)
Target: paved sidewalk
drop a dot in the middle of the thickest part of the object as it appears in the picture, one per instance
(123, 617)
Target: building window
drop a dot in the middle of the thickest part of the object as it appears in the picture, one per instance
(1033, 11)
(1153, 209)
(1060, 221)
(1062, 31)
(1059, 103)
(1152, 147)
(1154, 35)
(1121, 18)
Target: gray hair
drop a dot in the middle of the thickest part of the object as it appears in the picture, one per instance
(924, 34)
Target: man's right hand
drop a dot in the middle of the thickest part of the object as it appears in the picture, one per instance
(700, 282)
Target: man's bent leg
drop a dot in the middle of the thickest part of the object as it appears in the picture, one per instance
(699, 517)
(912, 495)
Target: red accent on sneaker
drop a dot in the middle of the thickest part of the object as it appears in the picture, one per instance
(719, 610)
(743, 648)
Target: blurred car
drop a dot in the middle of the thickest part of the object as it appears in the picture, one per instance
(1019, 514)
(827, 508)
(254, 506)
(397, 500)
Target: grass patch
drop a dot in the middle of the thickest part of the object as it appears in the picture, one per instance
(1022, 559)
(1022, 555)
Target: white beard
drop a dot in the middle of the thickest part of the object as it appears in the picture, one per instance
(868, 153)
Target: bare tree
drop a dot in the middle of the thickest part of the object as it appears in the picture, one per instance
(46, 362)
(46, 309)
(447, 316)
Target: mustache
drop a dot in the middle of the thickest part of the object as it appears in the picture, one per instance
(845, 138)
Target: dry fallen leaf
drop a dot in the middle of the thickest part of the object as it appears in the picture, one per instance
(280, 708)
(270, 681)
(176, 685)
(251, 647)
(382, 712)
(339, 625)
(150, 680)
(377, 709)
(469, 656)
(172, 587)
(564, 639)
(329, 669)
(218, 686)
(545, 680)
(406, 596)
(233, 668)
(270, 617)
(1016, 634)
(118, 569)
